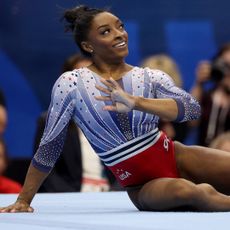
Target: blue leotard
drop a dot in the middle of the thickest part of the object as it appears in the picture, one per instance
(73, 96)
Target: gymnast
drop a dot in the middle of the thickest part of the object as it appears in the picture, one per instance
(118, 106)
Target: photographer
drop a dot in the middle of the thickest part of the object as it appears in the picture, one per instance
(215, 101)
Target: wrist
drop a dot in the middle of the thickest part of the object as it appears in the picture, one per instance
(23, 200)
(137, 102)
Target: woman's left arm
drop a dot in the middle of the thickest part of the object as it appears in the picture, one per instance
(124, 102)
(168, 102)
(164, 108)
(163, 87)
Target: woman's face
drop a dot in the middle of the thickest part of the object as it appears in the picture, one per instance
(108, 38)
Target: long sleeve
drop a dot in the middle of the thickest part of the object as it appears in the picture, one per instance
(60, 112)
(163, 87)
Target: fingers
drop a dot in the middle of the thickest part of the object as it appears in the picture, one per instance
(107, 107)
(102, 89)
(103, 98)
(15, 209)
(2, 210)
(110, 108)
(111, 83)
(7, 209)
(107, 83)
(114, 83)
(113, 89)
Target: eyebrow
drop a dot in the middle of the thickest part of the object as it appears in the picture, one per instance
(117, 21)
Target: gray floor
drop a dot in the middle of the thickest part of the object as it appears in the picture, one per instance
(103, 211)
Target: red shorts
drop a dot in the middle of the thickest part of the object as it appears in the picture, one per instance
(156, 161)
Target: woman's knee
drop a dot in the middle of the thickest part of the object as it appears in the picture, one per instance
(184, 191)
(174, 193)
(207, 189)
(194, 194)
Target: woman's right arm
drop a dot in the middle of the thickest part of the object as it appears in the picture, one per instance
(60, 112)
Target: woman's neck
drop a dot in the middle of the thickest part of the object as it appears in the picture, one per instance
(105, 70)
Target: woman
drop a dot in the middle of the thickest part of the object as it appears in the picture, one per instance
(157, 173)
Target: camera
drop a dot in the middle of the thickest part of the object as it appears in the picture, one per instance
(219, 69)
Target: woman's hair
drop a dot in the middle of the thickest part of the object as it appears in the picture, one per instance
(220, 140)
(79, 21)
(165, 63)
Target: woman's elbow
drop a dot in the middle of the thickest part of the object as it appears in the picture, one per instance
(195, 111)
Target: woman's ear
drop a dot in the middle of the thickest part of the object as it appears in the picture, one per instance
(87, 47)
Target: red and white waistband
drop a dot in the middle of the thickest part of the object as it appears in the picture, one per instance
(130, 148)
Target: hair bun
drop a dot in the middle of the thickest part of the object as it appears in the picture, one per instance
(72, 16)
(79, 21)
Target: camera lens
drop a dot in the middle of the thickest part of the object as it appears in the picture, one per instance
(219, 70)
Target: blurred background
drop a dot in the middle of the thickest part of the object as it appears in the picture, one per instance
(33, 47)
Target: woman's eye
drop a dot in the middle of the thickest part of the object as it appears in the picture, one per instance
(122, 26)
(105, 32)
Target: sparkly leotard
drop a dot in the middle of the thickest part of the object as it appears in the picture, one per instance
(115, 137)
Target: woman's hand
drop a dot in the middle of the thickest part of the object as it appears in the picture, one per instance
(33, 180)
(122, 102)
(18, 206)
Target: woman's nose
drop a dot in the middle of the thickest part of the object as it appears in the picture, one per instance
(119, 33)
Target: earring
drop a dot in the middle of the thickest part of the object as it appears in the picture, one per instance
(91, 51)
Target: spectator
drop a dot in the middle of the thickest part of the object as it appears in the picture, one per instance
(3, 114)
(215, 102)
(3, 119)
(6, 184)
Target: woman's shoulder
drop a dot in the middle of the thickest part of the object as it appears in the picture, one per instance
(70, 74)
(66, 82)
(70, 77)
(149, 71)
(153, 71)
(157, 75)
(153, 74)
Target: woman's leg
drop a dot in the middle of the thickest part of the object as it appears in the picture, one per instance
(167, 194)
(204, 165)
